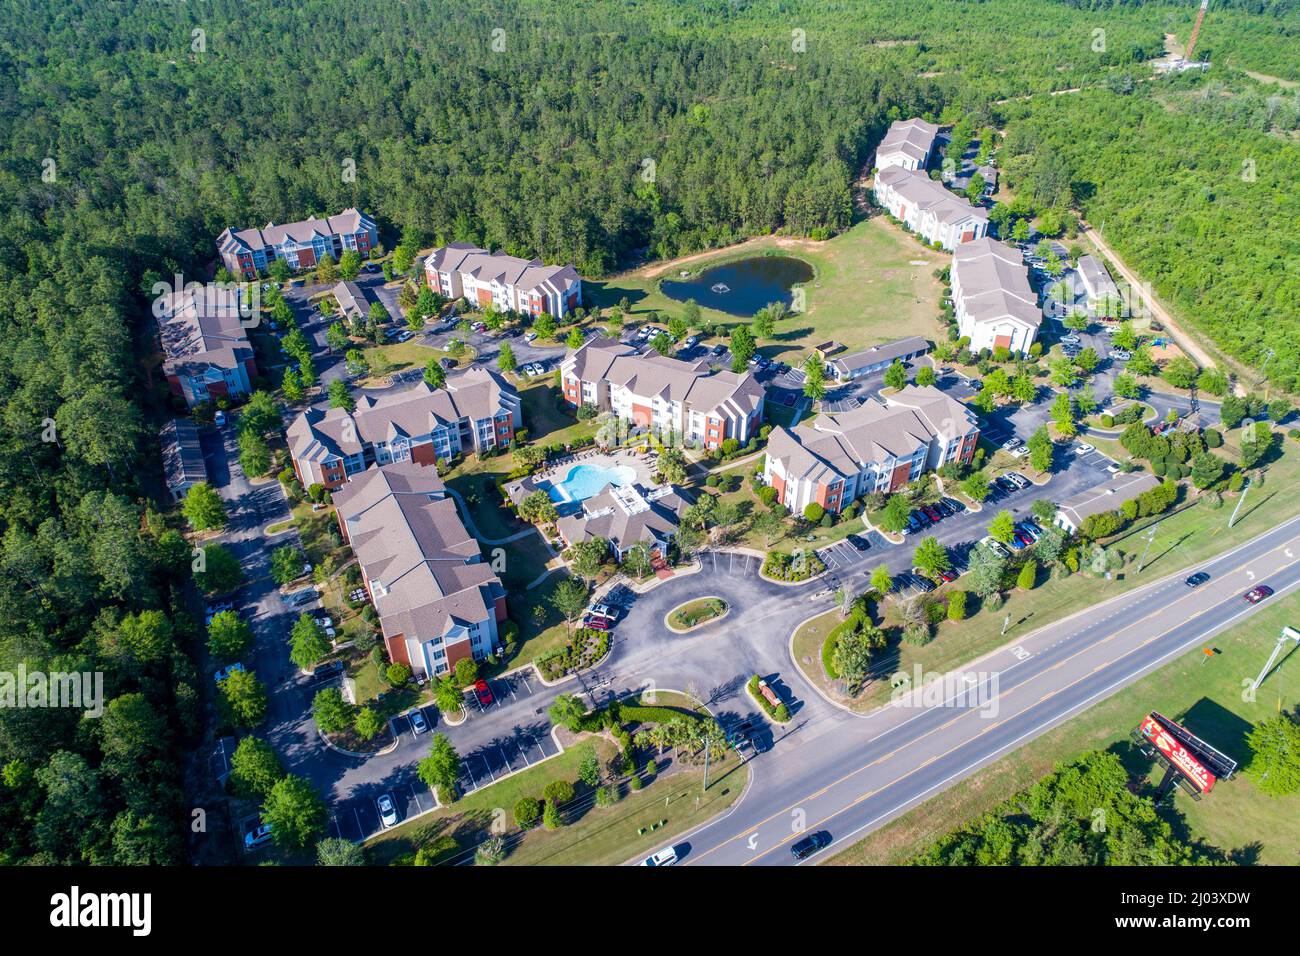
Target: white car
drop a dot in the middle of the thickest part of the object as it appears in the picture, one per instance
(257, 836)
(387, 810)
(325, 621)
(530, 335)
(1113, 468)
(601, 610)
(665, 857)
(418, 724)
(405, 336)
(1086, 448)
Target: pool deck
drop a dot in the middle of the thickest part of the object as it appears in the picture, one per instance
(558, 470)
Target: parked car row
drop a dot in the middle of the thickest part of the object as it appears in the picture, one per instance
(926, 515)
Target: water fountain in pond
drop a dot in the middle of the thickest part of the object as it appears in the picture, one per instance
(720, 288)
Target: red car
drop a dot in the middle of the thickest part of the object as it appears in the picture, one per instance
(948, 576)
(932, 513)
(597, 623)
(483, 692)
(1257, 594)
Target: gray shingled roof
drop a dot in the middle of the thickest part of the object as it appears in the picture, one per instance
(423, 566)
(911, 137)
(201, 327)
(345, 223)
(525, 274)
(929, 195)
(994, 282)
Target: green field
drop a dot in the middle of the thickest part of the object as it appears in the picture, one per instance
(867, 288)
(1205, 692)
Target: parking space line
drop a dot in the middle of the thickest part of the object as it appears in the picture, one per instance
(504, 757)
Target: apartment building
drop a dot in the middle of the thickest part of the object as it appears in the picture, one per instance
(248, 252)
(908, 144)
(992, 300)
(476, 411)
(206, 352)
(506, 283)
(928, 208)
(879, 446)
(438, 602)
(664, 395)
(352, 302)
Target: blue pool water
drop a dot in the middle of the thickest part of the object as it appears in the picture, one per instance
(586, 481)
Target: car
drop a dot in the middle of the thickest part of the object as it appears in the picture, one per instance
(447, 363)
(225, 672)
(665, 857)
(1085, 448)
(303, 597)
(1017, 543)
(922, 518)
(1113, 468)
(387, 810)
(219, 418)
(1197, 579)
(859, 543)
(919, 581)
(944, 510)
(602, 610)
(479, 327)
(325, 621)
(753, 360)
(327, 670)
(1004, 485)
(258, 836)
(1012, 442)
(997, 547)
(483, 692)
(405, 336)
(596, 623)
(948, 576)
(802, 849)
(1071, 339)
(933, 513)
(530, 335)
(643, 332)
(719, 349)
(1019, 480)
(956, 506)
(1258, 593)
(692, 341)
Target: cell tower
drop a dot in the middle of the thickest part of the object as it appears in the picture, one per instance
(1196, 30)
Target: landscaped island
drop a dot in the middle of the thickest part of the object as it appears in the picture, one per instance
(697, 613)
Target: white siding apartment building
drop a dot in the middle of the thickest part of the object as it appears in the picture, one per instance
(992, 300)
(879, 446)
(506, 283)
(928, 208)
(908, 144)
(663, 394)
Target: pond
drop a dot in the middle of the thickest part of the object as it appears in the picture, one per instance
(742, 288)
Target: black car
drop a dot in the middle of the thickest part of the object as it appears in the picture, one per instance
(802, 849)
(859, 542)
(1197, 579)
(955, 506)
(943, 508)
(719, 349)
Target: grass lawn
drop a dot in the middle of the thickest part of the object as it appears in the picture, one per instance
(1184, 538)
(866, 290)
(592, 836)
(1204, 692)
(697, 612)
(398, 356)
(545, 421)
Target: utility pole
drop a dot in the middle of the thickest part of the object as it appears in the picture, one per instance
(1151, 535)
(1240, 501)
(1006, 624)
(1288, 634)
(707, 748)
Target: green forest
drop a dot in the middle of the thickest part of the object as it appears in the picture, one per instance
(590, 131)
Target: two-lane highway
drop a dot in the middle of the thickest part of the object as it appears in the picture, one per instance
(933, 736)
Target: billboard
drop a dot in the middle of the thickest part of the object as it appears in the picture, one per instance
(1164, 737)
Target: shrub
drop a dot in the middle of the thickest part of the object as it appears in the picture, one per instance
(957, 606)
(558, 791)
(1107, 420)
(1213, 438)
(1028, 576)
(814, 512)
(551, 818)
(606, 796)
(634, 782)
(528, 810)
(397, 674)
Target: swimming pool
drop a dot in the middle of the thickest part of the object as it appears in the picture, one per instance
(586, 481)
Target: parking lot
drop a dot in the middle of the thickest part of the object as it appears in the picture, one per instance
(843, 554)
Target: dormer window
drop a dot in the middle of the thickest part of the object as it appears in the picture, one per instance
(378, 588)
